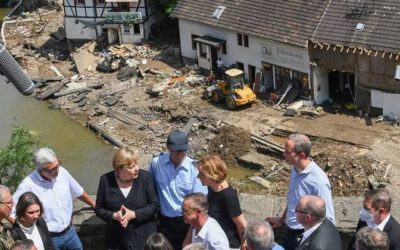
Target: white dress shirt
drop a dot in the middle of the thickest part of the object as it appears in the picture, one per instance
(33, 233)
(382, 225)
(309, 231)
(211, 236)
(56, 196)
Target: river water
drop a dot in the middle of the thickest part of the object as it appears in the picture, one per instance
(85, 155)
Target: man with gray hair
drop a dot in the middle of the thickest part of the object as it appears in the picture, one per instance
(259, 236)
(6, 203)
(307, 178)
(320, 233)
(371, 239)
(204, 229)
(56, 189)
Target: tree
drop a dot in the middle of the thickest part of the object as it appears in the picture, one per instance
(16, 157)
(167, 5)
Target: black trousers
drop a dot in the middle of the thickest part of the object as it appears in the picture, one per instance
(174, 229)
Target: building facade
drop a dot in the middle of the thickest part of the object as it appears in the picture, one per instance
(124, 21)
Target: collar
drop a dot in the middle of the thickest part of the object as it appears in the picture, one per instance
(309, 231)
(167, 159)
(41, 179)
(27, 230)
(204, 229)
(307, 169)
(382, 225)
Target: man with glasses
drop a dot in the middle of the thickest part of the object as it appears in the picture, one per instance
(307, 178)
(56, 189)
(6, 204)
(375, 214)
(204, 229)
(320, 233)
(175, 176)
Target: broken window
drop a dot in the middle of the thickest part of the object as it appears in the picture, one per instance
(243, 40)
(194, 44)
(127, 29)
(136, 28)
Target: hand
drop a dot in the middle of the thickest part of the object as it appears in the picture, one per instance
(126, 216)
(275, 222)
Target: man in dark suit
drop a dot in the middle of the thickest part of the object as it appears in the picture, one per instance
(320, 233)
(376, 214)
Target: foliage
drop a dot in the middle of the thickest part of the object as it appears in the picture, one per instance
(16, 157)
(167, 5)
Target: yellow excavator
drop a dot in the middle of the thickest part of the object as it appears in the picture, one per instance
(233, 90)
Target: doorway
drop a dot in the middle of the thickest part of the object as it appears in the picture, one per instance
(341, 86)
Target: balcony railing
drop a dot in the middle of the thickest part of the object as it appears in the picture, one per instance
(123, 17)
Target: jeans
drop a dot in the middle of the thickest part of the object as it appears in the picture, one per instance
(68, 241)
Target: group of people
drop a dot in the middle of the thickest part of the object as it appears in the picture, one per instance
(185, 204)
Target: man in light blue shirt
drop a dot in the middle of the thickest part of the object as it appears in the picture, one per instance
(175, 176)
(307, 178)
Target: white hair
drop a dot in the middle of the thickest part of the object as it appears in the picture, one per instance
(43, 156)
(3, 189)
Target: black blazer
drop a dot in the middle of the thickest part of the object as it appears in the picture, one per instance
(392, 229)
(142, 199)
(325, 237)
(18, 234)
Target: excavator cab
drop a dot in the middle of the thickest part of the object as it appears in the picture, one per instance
(233, 90)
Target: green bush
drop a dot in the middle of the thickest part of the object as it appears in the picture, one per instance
(16, 157)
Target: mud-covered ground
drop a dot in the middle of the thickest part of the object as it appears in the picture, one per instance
(353, 154)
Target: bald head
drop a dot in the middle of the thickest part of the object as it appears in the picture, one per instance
(310, 210)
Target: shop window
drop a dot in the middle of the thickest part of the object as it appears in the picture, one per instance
(194, 44)
(136, 28)
(127, 29)
(282, 77)
(243, 40)
(203, 50)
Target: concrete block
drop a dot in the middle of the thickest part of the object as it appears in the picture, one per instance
(292, 109)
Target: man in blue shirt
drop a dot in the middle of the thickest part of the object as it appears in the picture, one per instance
(307, 178)
(175, 176)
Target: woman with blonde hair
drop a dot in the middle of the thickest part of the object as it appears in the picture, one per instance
(127, 201)
(223, 200)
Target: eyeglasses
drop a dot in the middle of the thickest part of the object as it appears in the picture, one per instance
(188, 211)
(8, 204)
(299, 211)
(53, 170)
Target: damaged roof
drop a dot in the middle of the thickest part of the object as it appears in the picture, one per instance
(290, 21)
(378, 25)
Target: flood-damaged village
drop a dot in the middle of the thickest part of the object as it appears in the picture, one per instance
(238, 76)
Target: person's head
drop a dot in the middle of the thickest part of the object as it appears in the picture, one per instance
(29, 209)
(6, 202)
(259, 235)
(158, 242)
(178, 145)
(211, 169)
(297, 150)
(195, 209)
(376, 206)
(195, 246)
(310, 210)
(126, 164)
(46, 163)
(27, 244)
(371, 239)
